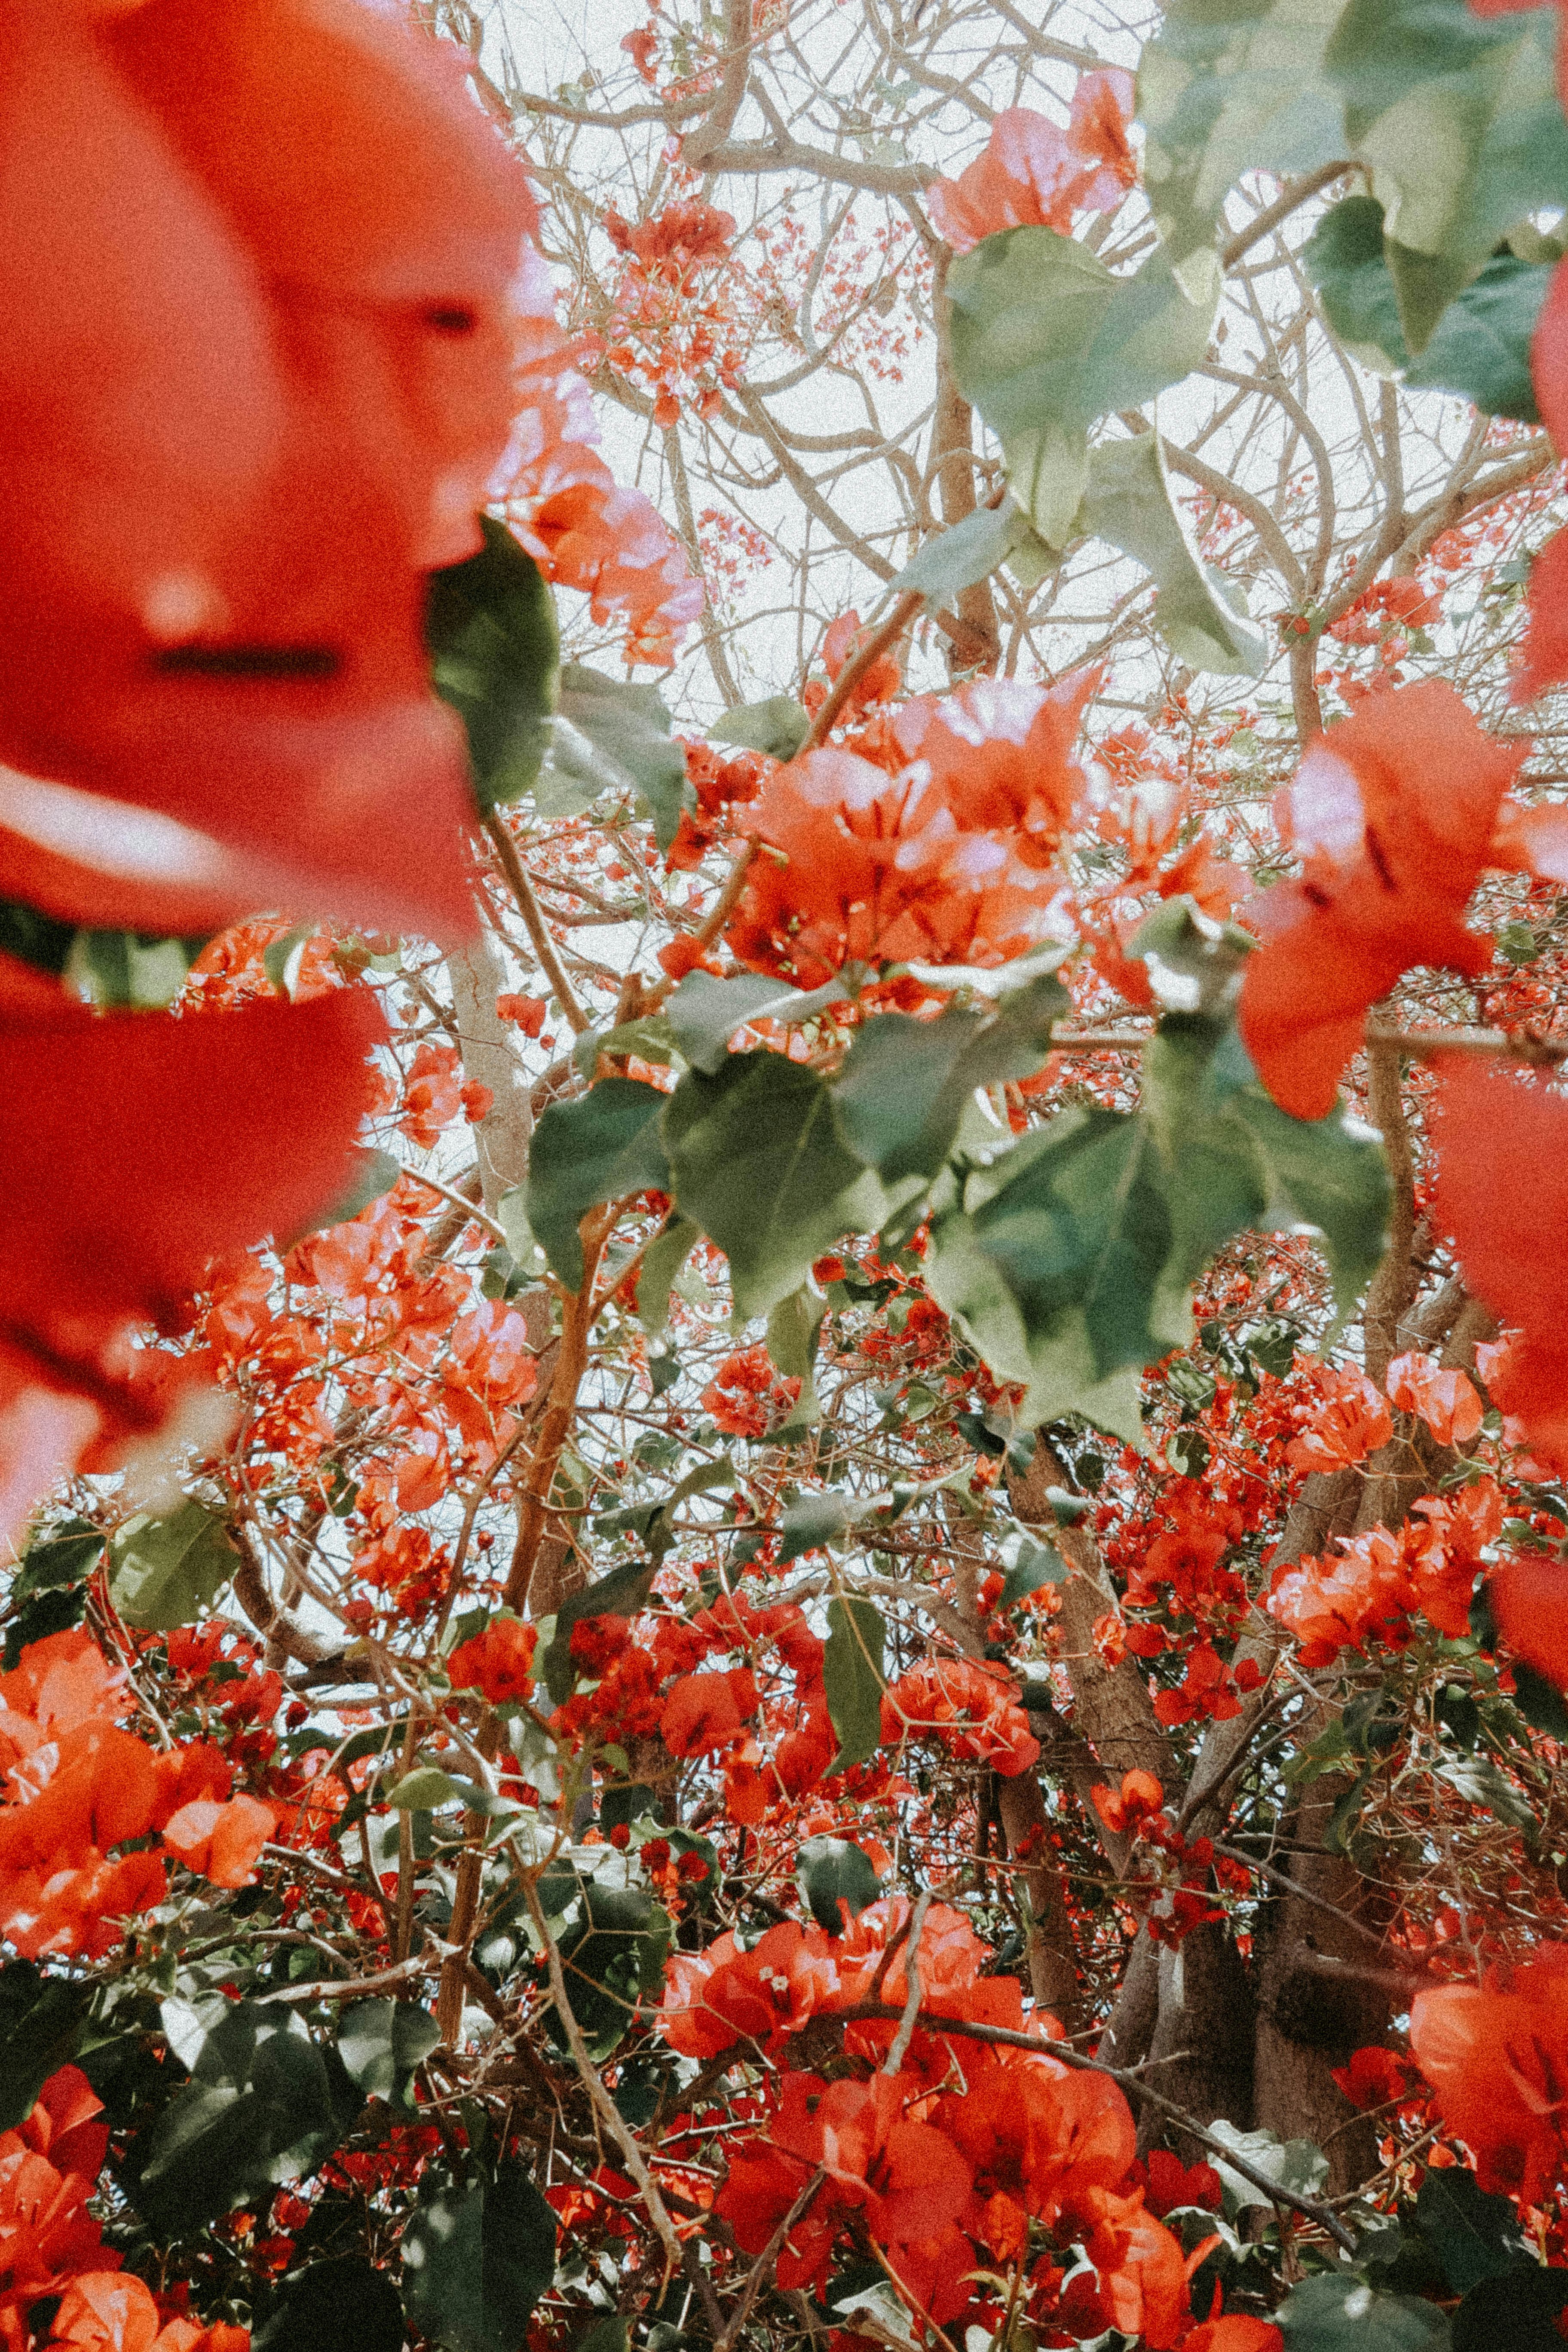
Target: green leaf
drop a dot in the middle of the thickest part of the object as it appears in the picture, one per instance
(1201, 617)
(1295, 2163)
(833, 1870)
(778, 726)
(1474, 2236)
(165, 1571)
(345, 2305)
(49, 1591)
(1337, 2311)
(600, 1148)
(1223, 88)
(818, 1519)
(1328, 1173)
(490, 627)
(1215, 1180)
(610, 735)
(954, 560)
(1480, 1782)
(381, 2042)
(1480, 347)
(662, 1262)
(853, 1678)
(622, 1593)
(757, 1158)
(258, 2110)
(371, 1176)
(42, 2021)
(1046, 340)
(705, 1012)
(605, 2335)
(1037, 1564)
(793, 1327)
(1517, 2314)
(476, 2262)
(612, 1956)
(1457, 118)
(904, 1083)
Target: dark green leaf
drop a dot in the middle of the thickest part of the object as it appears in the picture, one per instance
(1480, 347)
(1480, 1782)
(620, 1594)
(165, 1571)
(778, 726)
(816, 1520)
(1517, 2314)
(904, 1085)
(42, 2020)
(756, 1157)
(1036, 1564)
(612, 735)
(381, 2042)
(343, 2305)
(853, 1678)
(490, 627)
(705, 1012)
(832, 1871)
(1337, 2311)
(600, 1148)
(476, 2262)
(662, 1262)
(259, 2110)
(612, 1958)
(605, 2335)
(1475, 2236)
(1328, 1173)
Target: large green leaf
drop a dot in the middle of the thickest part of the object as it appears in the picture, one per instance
(490, 627)
(612, 1956)
(1046, 340)
(610, 735)
(778, 726)
(904, 1083)
(600, 1148)
(260, 2108)
(345, 2305)
(1474, 2236)
(1228, 85)
(834, 1870)
(1203, 618)
(1337, 2311)
(952, 560)
(1458, 117)
(853, 1678)
(165, 1570)
(757, 1158)
(381, 2044)
(1328, 1173)
(476, 2262)
(705, 1012)
(42, 2020)
(1480, 347)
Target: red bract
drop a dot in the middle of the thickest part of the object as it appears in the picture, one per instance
(1034, 175)
(261, 262)
(1528, 1595)
(1497, 2059)
(1352, 1423)
(713, 1999)
(971, 1708)
(1546, 641)
(1447, 1402)
(703, 1712)
(948, 860)
(221, 1842)
(1502, 1198)
(277, 1091)
(1391, 813)
(497, 1663)
(1123, 1810)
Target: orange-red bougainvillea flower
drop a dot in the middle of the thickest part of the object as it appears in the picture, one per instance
(257, 381)
(1501, 1199)
(1392, 814)
(1035, 174)
(139, 1148)
(1497, 2059)
(951, 859)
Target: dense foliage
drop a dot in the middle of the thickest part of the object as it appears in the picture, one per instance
(784, 1453)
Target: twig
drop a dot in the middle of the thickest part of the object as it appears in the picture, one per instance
(533, 914)
(474, 1213)
(898, 2048)
(1421, 1044)
(1296, 192)
(858, 663)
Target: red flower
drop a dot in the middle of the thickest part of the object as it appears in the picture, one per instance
(1032, 174)
(1447, 1402)
(1391, 813)
(497, 1663)
(221, 1842)
(972, 1707)
(1352, 1423)
(241, 1124)
(1139, 1797)
(702, 1712)
(1374, 2078)
(1546, 642)
(1528, 1595)
(258, 380)
(1502, 1198)
(1497, 2059)
(714, 1999)
(1237, 2332)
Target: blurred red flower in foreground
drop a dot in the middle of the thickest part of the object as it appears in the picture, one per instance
(1496, 2058)
(141, 1148)
(1034, 175)
(259, 280)
(1391, 813)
